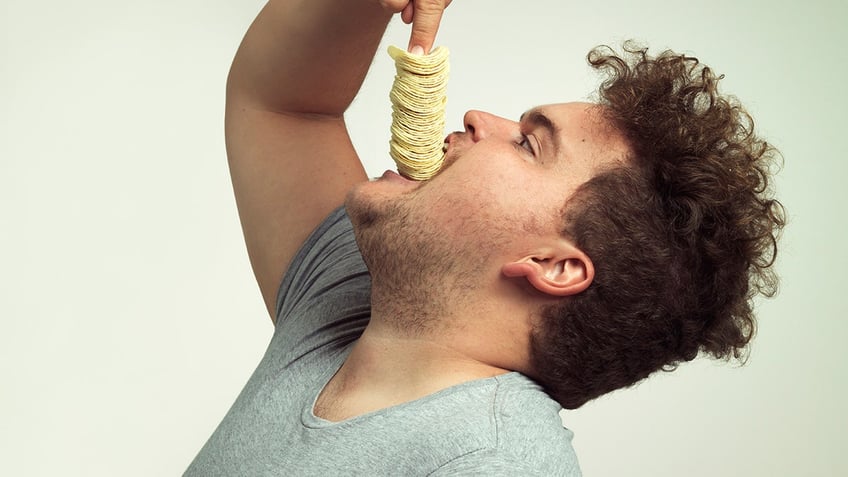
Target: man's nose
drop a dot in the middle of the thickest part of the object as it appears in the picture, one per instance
(481, 125)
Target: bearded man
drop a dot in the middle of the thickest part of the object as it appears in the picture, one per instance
(438, 327)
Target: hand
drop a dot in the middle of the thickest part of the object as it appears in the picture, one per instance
(425, 16)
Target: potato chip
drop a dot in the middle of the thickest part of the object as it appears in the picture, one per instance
(418, 112)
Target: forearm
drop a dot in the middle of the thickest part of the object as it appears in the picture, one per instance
(307, 56)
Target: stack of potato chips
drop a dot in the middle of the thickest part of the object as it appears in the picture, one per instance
(418, 112)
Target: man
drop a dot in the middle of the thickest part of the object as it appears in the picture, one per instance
(438, 327)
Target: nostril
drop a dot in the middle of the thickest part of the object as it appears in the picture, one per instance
(473, 121)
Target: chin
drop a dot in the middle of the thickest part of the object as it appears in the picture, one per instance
(367, 203)
(390, 184)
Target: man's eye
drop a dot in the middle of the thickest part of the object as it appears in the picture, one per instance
(525, 143)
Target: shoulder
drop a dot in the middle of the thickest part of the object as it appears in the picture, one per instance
(326, 292)
(496, 463)
(529, 427)
(328, 259)
(488, 462)
(509, 426)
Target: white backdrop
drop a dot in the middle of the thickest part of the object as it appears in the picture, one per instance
(130, 318)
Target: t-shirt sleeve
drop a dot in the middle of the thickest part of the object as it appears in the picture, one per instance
(325, 294)
(495, 463)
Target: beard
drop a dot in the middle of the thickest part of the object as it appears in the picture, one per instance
(418, 270)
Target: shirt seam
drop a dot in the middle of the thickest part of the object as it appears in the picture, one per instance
(455, 458)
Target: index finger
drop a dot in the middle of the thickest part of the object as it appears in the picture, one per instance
(427, 15)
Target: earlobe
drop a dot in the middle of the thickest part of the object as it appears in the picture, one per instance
(554, 274)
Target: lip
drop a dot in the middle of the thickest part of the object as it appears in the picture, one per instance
(393, 176)
(451, 141)
(447, 142)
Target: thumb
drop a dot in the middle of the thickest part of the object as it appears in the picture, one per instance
(425, 24)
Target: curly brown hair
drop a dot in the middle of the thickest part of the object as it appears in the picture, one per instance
(682, 239)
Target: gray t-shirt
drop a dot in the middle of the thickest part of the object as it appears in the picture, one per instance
(505, 425)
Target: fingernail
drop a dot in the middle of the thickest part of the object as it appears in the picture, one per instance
(417, 50)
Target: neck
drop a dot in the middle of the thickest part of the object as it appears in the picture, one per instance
(466, 327)
(401, 308)
(419, 364)
(385, 369)
(416, 344)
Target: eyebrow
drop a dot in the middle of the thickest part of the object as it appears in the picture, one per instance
(537, 118)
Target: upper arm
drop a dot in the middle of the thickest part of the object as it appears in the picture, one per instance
(288, 171)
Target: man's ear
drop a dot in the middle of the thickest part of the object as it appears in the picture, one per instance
(558, 271)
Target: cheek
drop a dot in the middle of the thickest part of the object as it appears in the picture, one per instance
(493, 188)
(482, 211)
(452, 206)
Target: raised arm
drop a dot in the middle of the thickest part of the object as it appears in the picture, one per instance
(291, 160)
